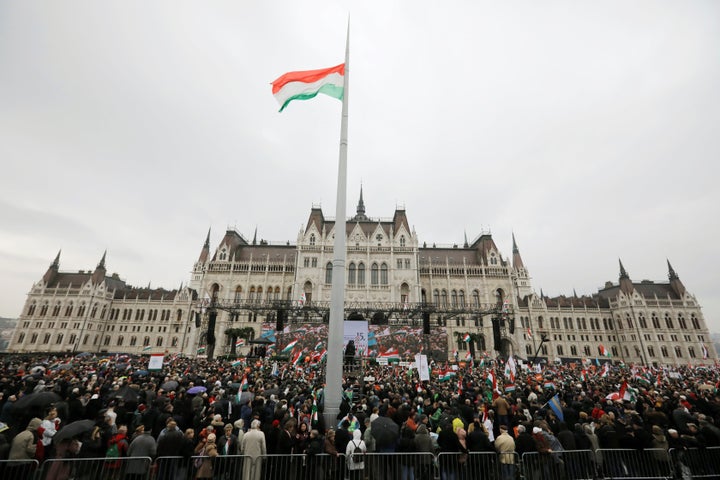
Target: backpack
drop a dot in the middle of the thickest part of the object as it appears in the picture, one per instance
(357, 454)
(113, 451)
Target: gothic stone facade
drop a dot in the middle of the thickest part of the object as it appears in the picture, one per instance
(642, 323)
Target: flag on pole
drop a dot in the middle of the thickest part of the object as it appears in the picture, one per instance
(314, 414)
(296, 358)
(704, 352)
(468, 356)
(318, 346)
(289, 346)
(529, 333)
(236, 363)
(146, 349)
(305, 85)
(556, 407)
(240, 342)
(302, 299)
(466, 337)
(604, 351)
(201, 350)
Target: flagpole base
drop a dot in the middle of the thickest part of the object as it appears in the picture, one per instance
(330, 417)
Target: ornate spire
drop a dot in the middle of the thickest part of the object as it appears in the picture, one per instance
(626, 285)
(361, 204)
(102, 261)
(623, 273)
(205, 252)
(517, 259)
(254, 242)
(675, 282)
(52, 269)
(466, 244)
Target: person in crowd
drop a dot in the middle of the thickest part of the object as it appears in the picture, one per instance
(253, 445)
(354, 459)
(505, 446)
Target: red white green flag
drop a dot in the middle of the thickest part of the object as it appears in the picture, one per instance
(307, 84)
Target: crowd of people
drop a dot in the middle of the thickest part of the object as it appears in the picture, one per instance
(88, 406)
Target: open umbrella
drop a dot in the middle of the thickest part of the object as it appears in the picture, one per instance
(127, 394)
(83, 355)
(37, 369)
(40, 399)
(169, 385)
(196, 390)
(73, 429)
(385, 431)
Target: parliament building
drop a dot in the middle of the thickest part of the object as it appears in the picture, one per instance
(480, 301)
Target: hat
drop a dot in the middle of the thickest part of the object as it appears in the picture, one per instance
(276, 423)
(537, 430)
(211, 437)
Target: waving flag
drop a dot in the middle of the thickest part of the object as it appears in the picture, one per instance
(556, 407)
(318, 346)
(296, 358)
(604, 351)
(240, 342)
(446, 375)
(305, 85)
(289, 346)
(301, 302)
(236, 363)
(468, 356)
(704, 352)
(529, 333)
(466, 337)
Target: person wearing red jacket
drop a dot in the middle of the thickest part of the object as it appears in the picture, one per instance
(113, 465)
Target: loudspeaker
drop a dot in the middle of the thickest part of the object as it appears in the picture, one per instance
(496, 332)
(211, 328)
(197, 319)
(426, 323)
(281, 316)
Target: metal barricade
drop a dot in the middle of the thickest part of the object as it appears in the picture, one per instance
(476, 465)
(649, 464)
(18, 469)
(171, 468)
(565, 465)
(395, 466)
(296, 467)
(130, 468)
(696, 462)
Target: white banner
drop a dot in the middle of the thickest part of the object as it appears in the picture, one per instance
(422, 366)
(156, 362)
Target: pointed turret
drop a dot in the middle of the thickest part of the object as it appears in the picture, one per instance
(675, 282)
(99, 273)
(360, 210)
(517, 259)
(466, 244)
(626, 285)
(205, 253)
(52, 269)
(254, 242)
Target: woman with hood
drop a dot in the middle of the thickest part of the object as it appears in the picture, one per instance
(355, 460)
(424, 446)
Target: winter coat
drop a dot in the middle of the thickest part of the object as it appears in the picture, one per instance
(356, 441)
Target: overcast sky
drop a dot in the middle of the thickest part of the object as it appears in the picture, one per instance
(590, 129)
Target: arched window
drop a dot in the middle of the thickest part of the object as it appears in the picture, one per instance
(642, 321)
(258, 295)
(476, 299)
(174, 342)
(328, 272)
(462, 299)
(668, 321)
(383, 274)
(31, 309)
(238, 294)
(21, 337)
(402, 240)
(678, 351)
(453, 298)
(251, 295)
(374, 274)
(560, 350)
(146, 342)
(481, 343)
(540, 323)
(351, 273)
(120, 341)
(312, 239)
(361, 274)
(444, 298)
(277, 293)
(682, 322)
(56, 310)
(573, 350)
(664, 351)
(436, 296)
(106, 341)
(695, 322)
(44, 309)
(159, 342)
(133, 341)
(655, 320)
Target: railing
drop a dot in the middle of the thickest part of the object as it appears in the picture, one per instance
(649, 464)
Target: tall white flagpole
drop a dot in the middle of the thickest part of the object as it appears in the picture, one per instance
(334, 365)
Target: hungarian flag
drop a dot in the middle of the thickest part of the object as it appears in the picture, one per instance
(236, 363)
(318, 346)
(307, 84)
(446, 375)
(314, 415)
(466, 337)
(147, 348)
(509, 388)
(390, 354)
(289, 346)
(704, 352)
(201, 350)
(604, 351)
(584, 376)
(468, 356)
(529, 333)
(240, 342)
(296, 358)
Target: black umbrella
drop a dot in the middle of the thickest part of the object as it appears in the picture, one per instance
(385, 431)
(170, 385)
(40, 399)
(261, 341)
(127, 394)
(73, 429)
